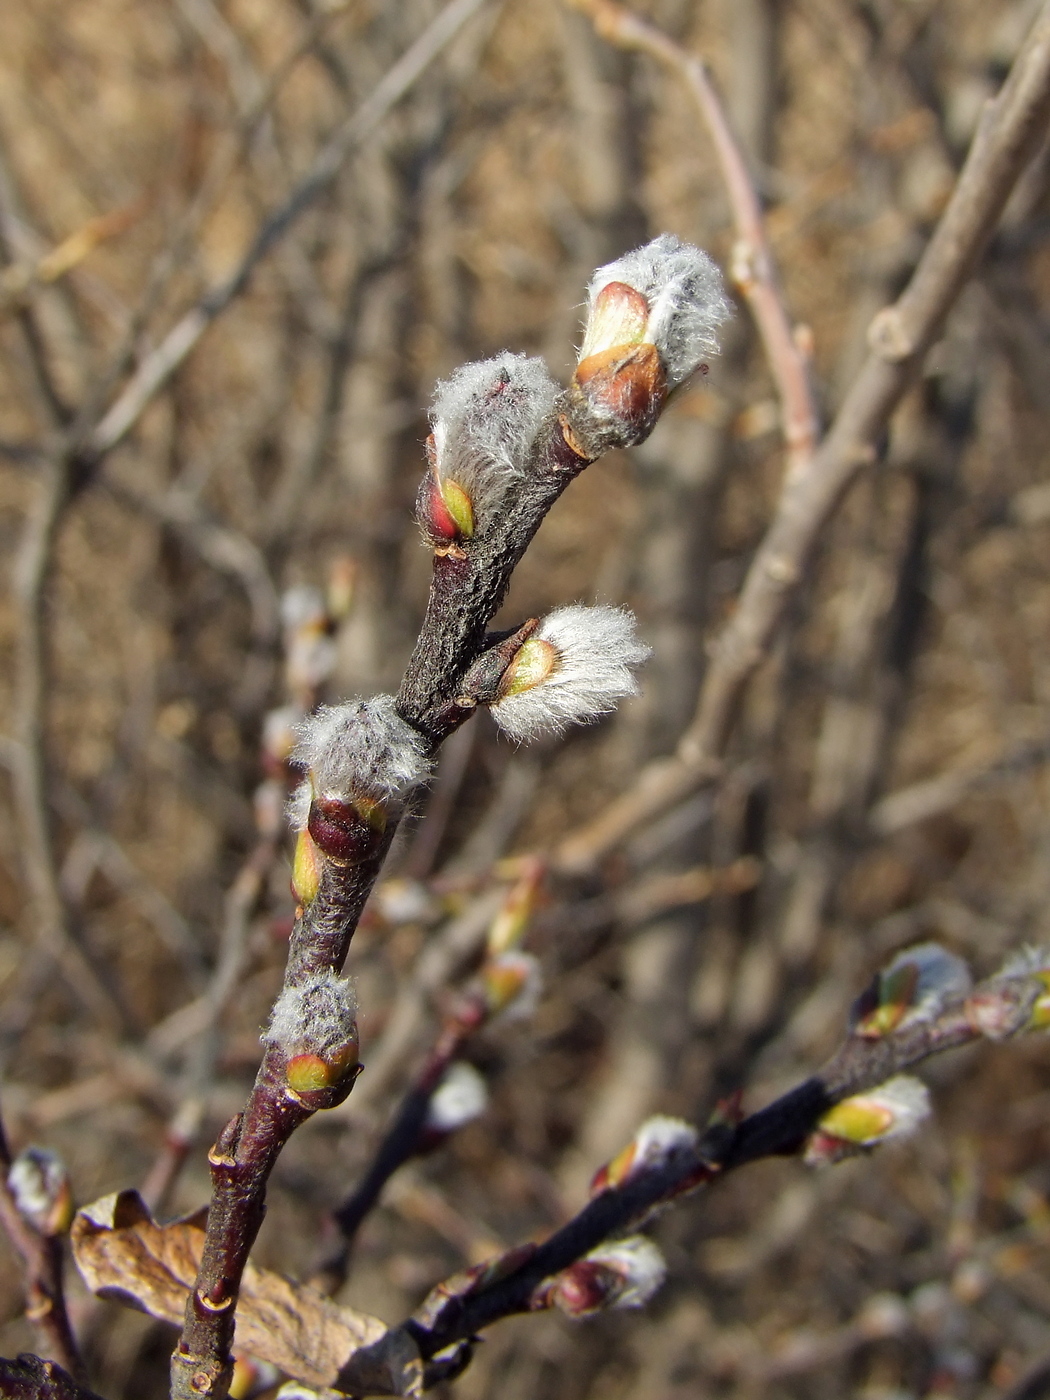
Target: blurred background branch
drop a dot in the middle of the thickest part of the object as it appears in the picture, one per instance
(443, 180)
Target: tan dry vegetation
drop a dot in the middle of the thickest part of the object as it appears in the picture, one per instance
(525, 155)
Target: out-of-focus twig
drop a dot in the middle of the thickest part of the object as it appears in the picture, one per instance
(926, 798)
(1010, 131)
(27, 757)
(446, 951)
(159, 366)
(41, 1257)
(19, 279)
(400, 1142)
(218, 544)
(186, 1122)
(451, 772)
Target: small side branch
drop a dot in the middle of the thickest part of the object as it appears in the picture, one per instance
(400, 1143)
(28, 760)
(456, 1311)
(42, 1262)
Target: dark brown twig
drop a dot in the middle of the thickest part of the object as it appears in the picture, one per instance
(400, 1143)
(29, 1378)
(456, 1312)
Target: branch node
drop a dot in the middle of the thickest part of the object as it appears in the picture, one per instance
(889, 337)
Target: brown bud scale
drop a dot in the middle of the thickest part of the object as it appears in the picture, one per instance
(340, 830)
(625, 382)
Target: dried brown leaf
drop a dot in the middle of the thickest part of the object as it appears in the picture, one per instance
(122, 1253)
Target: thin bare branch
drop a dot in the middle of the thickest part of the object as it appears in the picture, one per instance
(42, 1261)
(27, 757)
(161, 364)
(455, 1312)
(1010, 132)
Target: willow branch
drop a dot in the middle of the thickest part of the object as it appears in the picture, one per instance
(517, 441)
(28, 762)
(455, 1312)
(1010, 131)
(42, 1263)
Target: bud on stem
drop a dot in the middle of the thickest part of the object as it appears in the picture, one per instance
(39, 1183)
(652, 317)
(315, 1026)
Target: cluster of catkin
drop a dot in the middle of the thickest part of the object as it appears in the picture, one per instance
(652, 319)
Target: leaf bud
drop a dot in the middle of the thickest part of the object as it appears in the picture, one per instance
(617, 318)
(444, 510)
(622, 1274)
(624, 383)
(511, 923)
(39, 1183)
(655, 1142)
(574, 669)
(511, 985)
(915, 986)
(893, 1110)
(306, 869)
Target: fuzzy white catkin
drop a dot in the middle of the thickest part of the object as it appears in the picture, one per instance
(687, 300)
(485, 418)
(461, 1097)
(659, 1136)
(362, 748)
(640, 1265)
(909, 1100)
(35, 1179)
(597, 649)
(941, 977)
(906, 1098)
(1025, 963)
(317, 1017)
